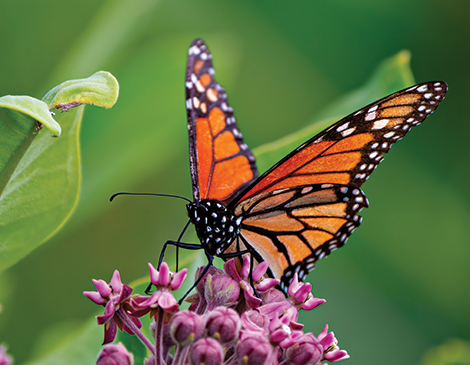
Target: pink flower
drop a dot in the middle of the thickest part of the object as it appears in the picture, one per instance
(300, 295)
(223, 325)
(165, 282)
(262, 284)
(115, 297)
(332, 352)
(5, 359)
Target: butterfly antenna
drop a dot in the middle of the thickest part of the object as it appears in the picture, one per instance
(154, 194)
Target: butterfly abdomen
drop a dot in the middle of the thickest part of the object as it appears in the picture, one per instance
(216, 226)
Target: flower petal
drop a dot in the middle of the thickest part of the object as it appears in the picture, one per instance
(102, 287)
(94, 296)
(164, 276)
(153, 274)
(115, 282)
(110, 330)
(231, 269)
(178, 279)
(294, 285)
(336, 355)
(260, 270)
(302, 293)
(168, 302)
(312, 303)
(245, 270)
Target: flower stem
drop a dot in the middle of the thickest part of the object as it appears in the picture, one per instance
(159, 337)
(180, 355)
(124, 317)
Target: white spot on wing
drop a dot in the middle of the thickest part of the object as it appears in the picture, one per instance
(342, 127)
(379, 124)
(347, 132)
(370, 116)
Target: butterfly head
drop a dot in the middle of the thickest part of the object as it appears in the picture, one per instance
(216, 226)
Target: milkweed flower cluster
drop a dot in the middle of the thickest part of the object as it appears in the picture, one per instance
(5, 359)
(234, 318)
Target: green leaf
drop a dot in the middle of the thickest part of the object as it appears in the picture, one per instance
(100, 89)
(82, 348)
(453, 352)
(15, 108)
(42, 191)
(391, 75)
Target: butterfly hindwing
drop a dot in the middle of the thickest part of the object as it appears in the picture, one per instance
(221, 163)
(292, 228)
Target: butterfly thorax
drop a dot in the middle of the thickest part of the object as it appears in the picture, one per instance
(215, 225)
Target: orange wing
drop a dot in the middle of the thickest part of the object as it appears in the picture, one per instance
(292, 228)
(348, 151)
(306, 205)
(222, 165)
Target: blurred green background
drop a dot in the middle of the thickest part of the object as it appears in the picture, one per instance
(400, 286)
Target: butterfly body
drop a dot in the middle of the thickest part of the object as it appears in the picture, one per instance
(307, 204)
(216, 226)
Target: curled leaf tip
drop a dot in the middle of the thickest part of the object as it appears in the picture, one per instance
(100, 89)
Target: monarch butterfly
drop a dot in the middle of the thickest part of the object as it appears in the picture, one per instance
(307, 204)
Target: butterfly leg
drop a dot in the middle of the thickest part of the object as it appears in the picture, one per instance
(188, 246)
(177, 244)
(232, 254)
(210, 259)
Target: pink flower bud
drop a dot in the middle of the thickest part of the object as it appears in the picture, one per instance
(206, 351)
(186, 327)
(307, 351)
(253, 350)
(221, 289)
(254, 321)
(223, 324)
(115, 354)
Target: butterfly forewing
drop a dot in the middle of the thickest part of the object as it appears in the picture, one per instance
(348, 151)
(306, 205)
(221, 163)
